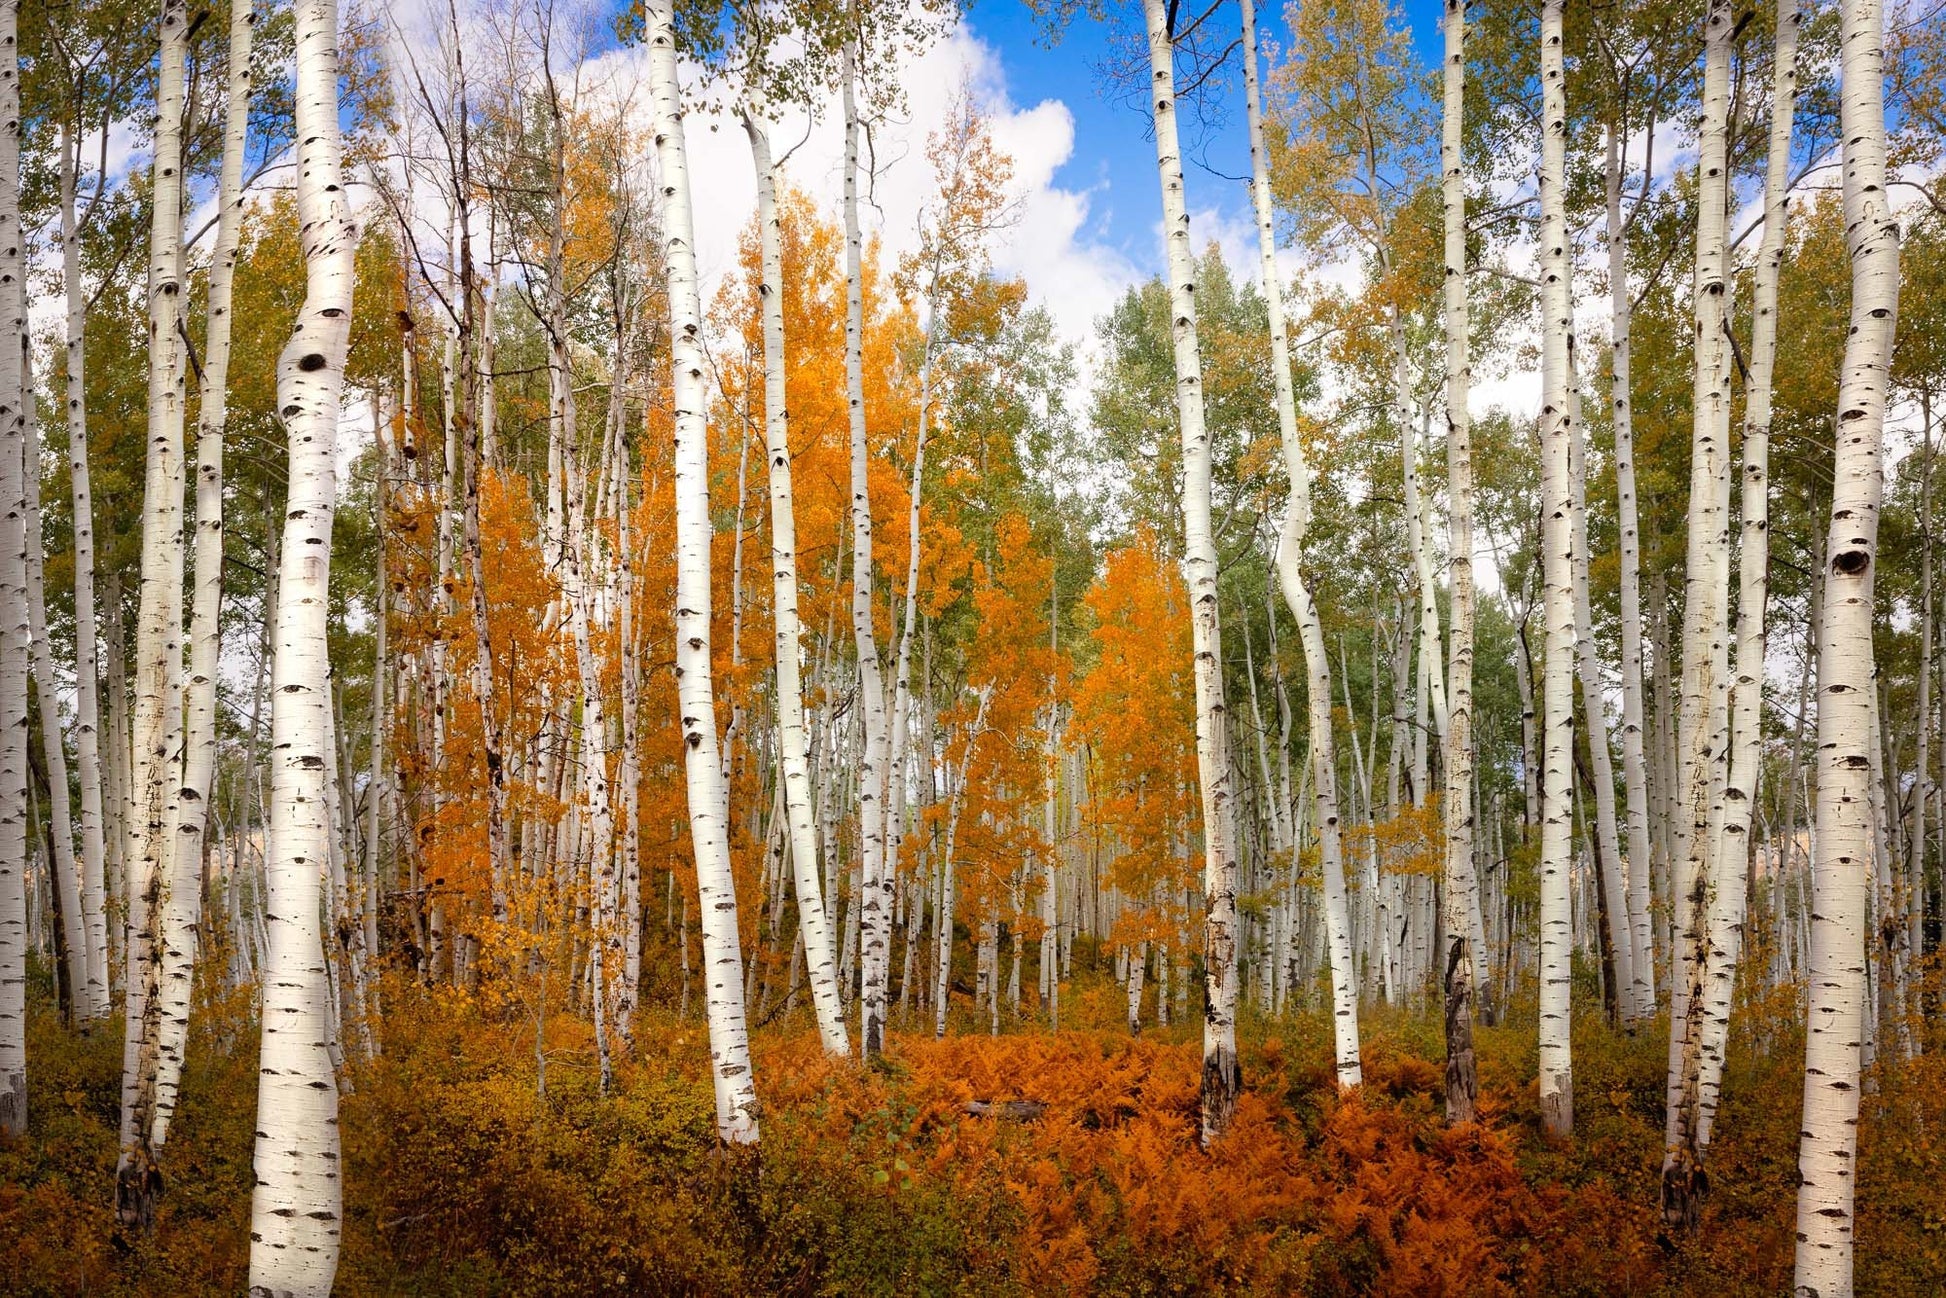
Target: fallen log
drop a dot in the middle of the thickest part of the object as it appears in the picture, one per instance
(1012, 1110)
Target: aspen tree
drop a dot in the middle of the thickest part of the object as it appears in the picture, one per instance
(736, 1096)
(1462, 956)
(1606, 843)
(60, 827)
(874, 904)
(87, 749)
(296, 1204)
(1828, 1132)
(158, 918)
(13, 604)
(1222, 1073)
(1317, 660)
(813, 915)
(186, 846)
(67, 882)
(1557, 693)
(1705, 684)
(1635, 770)
(1726, 918)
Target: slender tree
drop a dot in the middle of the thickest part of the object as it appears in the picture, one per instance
(198, 758)
(736, 1096)
(813, 907)
(1557, 693)
(295, 1209)
(87, 746)
(1705, 685)
(159, 917)
(1222, 1072)
(1290, 559)
(1724, 934)
(1827, 1155)
(14, 631)
(1460, 956)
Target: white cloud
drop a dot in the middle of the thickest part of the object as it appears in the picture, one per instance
(1075, 276)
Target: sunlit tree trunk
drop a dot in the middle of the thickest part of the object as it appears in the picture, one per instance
(875, 889)
(1705, 637)
(1557, 691)
(87, 747)
(199, 708)
(1290, 555)
(813, 916)
(1726, 917)
(1462, 949)
(158, 918)
(1222, 1073)
(1828, 1142)
(296, 1205)
(736, 1096)
(13, 603)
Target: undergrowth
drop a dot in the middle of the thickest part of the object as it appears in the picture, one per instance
(464, 1175)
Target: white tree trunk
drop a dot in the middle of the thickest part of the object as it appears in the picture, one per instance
(1726, 918)
(13, 605)
(1828, 1145)
(296, 1205)
(1557, 689)
(1705, 684)
(1290, 554)
(87, 748)
(1463, 946)
(199, 709)
(1222, 1073)
(159, 917)
(813, 916)
(875, 900)
(736, 1095)
(1601, 760)
(54, 752)
(1635, 771)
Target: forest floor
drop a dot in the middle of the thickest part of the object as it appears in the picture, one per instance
(463, 1177)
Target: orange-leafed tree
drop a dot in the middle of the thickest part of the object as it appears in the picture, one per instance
(1135, 716)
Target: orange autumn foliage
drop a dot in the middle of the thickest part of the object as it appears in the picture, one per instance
(1135, 713)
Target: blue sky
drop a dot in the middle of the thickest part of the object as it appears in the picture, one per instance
(1113, 156)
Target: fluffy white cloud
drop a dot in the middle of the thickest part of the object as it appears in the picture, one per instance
(1053, 246)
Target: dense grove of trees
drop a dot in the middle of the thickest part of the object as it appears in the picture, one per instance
(552, 650)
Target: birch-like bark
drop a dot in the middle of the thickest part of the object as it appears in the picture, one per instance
(54, 750)
(955, 799)
(874, 904)
(158, 919)
(1828, 1142)
(1557, 685)
(1429, 672)
(820, 956)
(296, 1205)
(1601, 759)
(1222, 1073)
(1462, 950)
(736, 1096)
(1726, 917)
(1290, 552)
(199, 705)
(13, 604)
(1705, 684)
(87, 746)
(1635, 770)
